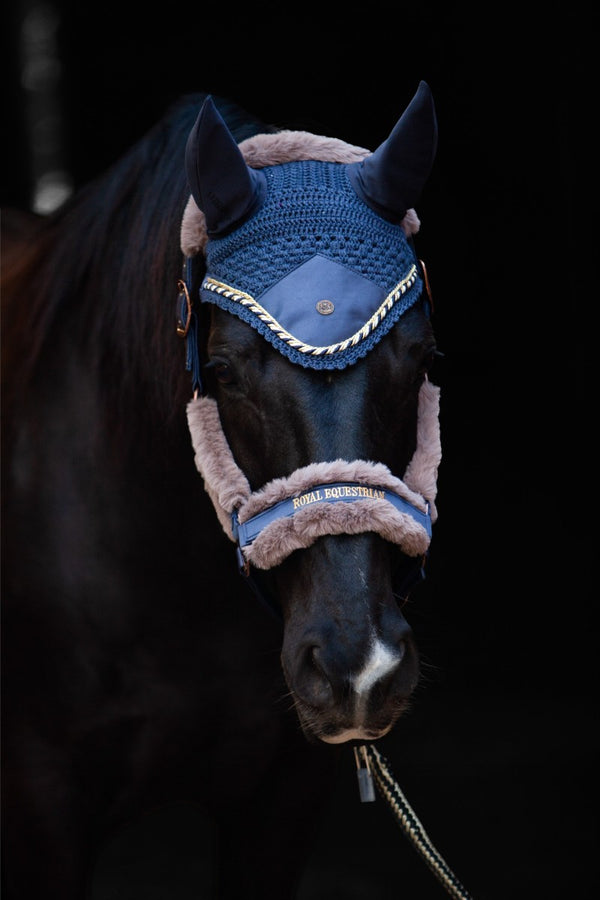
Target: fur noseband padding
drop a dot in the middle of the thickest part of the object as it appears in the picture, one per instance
(273, 149)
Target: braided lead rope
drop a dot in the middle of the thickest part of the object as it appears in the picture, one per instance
(409, 822)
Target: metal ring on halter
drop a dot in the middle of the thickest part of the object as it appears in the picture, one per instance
(183, 325)
(427, 285)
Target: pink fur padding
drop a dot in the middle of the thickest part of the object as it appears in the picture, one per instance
(302, 529)
(304, 479)
(273, 149)
(225, 483)
(421, 472)
(229, 489)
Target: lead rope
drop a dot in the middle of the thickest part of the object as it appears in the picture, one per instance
(375, 767)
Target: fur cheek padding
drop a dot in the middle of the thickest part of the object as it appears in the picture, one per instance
(225, 483)
(422, 471)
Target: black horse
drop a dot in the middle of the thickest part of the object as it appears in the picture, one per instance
(139, 666)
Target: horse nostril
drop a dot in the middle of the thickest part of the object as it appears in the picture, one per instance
(313, 684)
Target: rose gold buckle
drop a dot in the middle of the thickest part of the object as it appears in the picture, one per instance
(183, 327)
(427, 285)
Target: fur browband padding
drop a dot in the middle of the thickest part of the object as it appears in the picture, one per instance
(273, 149)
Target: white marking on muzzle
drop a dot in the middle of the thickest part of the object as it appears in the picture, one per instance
(381, 661)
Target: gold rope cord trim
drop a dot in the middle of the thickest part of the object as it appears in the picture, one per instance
(246, 300)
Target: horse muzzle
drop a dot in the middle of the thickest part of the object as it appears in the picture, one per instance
(336, 707)
(348, 654)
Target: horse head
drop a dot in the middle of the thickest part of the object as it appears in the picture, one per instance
(315, 425)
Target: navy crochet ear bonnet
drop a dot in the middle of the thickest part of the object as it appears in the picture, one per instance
(311, 253)
(315, 271)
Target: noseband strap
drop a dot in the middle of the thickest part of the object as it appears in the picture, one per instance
(347, 492)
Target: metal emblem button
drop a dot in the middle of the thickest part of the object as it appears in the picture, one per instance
(325, 307)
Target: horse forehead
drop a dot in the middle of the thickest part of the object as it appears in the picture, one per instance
(316, 390)
(354, 403)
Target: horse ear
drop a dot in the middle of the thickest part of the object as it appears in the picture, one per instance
(390, 181)
(226, 190)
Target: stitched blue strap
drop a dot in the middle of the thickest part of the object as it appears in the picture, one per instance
(188, 319)
(345, 491)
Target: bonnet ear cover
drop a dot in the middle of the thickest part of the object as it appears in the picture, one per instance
(391, 180)
(223, 186)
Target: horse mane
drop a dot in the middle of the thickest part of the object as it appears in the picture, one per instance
(114, 245)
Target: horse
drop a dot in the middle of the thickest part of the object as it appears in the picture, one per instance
(220, 458)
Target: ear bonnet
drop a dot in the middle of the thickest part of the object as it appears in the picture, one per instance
(311, 251)
(309, 241)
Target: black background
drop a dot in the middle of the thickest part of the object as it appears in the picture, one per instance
(498, 754)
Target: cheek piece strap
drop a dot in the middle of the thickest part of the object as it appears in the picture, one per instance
(337, 497)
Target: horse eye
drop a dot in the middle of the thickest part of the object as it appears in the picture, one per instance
(223, 371)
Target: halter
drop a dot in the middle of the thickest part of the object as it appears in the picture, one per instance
(309, 259)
